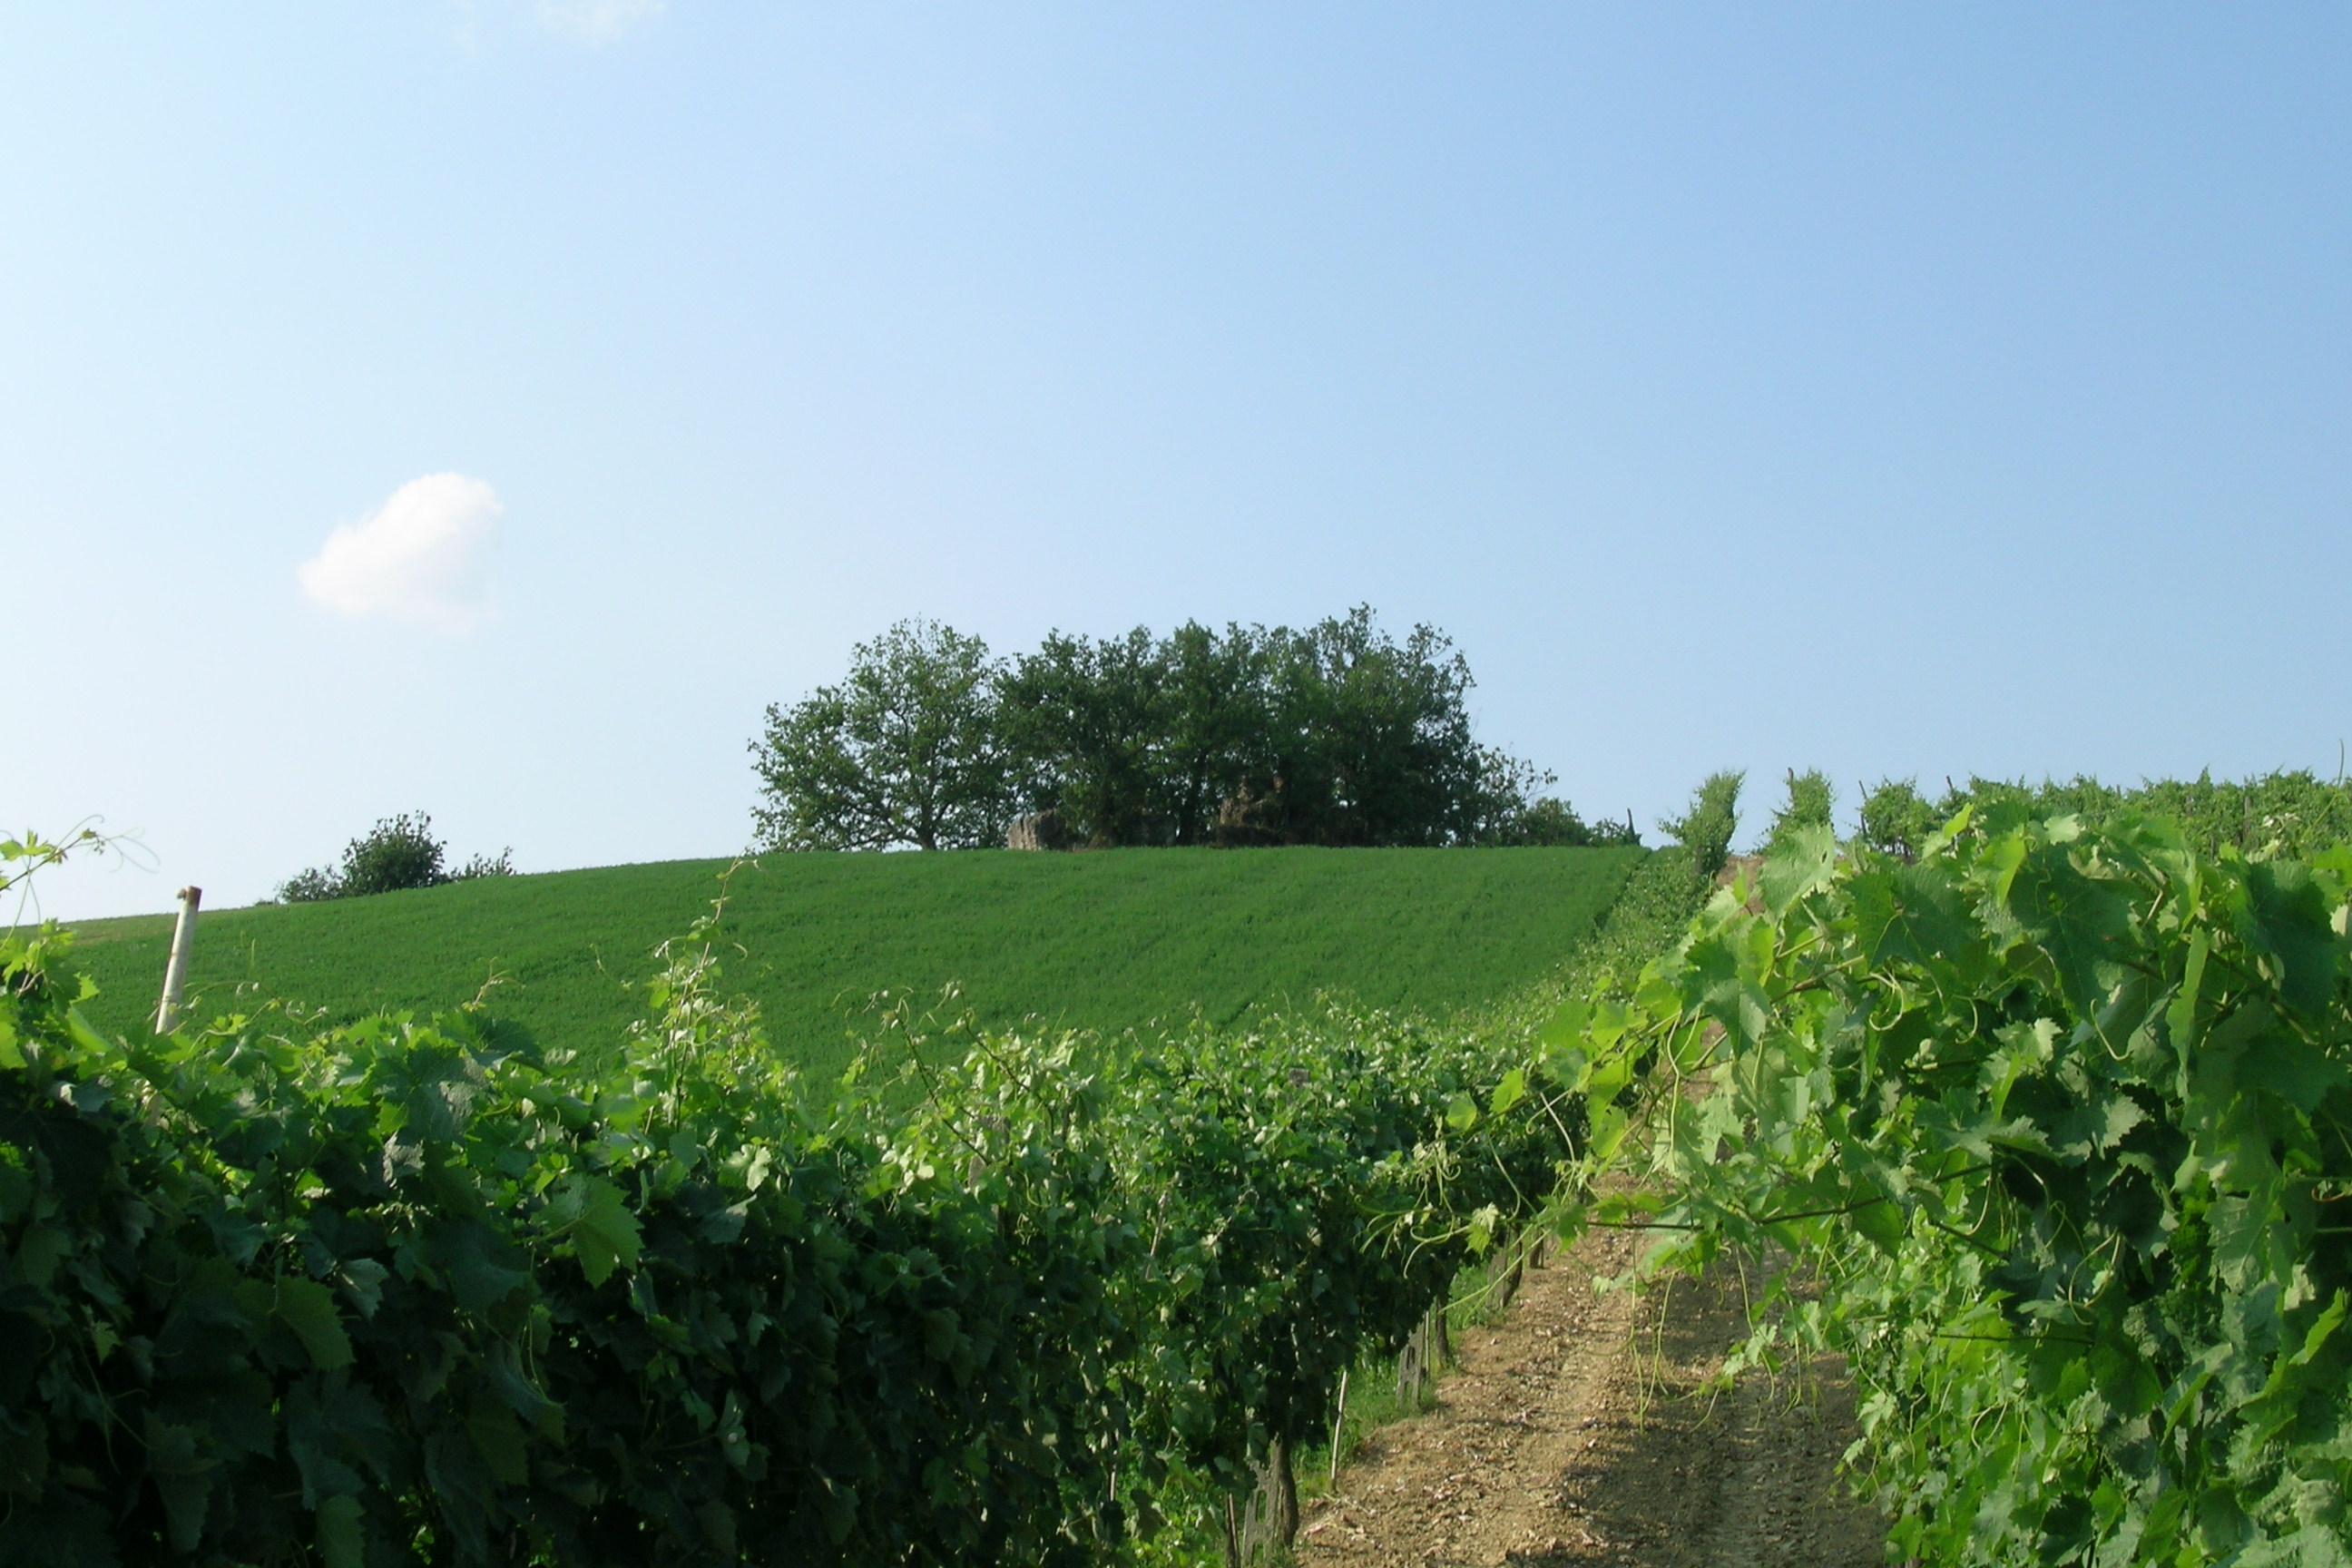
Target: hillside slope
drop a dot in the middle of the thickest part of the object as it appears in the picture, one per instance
(1104, 941)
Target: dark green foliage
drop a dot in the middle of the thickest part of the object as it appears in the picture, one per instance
(1811, 803)
(1339, 735)
(313, 885)
(905, 751)
(395, 855)
(1312, 1189)
(418, 1293)
(1106, 942)
(1372, 739)
(397, 852)
(1217, 739)
(426, 1293)
(2057, 1118)
(1548, 822)
(1708, 829)
(1089, 721)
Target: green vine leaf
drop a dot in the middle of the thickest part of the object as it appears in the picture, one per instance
(591, 1214)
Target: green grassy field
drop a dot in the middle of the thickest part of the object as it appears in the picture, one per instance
(1104, 941)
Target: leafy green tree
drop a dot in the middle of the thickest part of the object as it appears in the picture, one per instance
(1086, 720)
(1372, 737)
(905, 752)
(1218, 746)
(1337, 735)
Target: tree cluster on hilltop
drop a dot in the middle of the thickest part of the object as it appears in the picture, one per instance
(1338, 734)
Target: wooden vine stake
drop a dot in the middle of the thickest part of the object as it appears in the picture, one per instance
(1260, 1528)
(175, 971)
(1424, 1350)
(1509, 1270)
(1412, 1367)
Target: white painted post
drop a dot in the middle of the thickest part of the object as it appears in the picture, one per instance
(175, 972)
(1339, 1425)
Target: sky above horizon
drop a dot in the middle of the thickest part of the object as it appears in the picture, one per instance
(489, 408)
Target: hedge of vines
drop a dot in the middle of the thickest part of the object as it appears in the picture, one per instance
(426, 1292)
(2056, 1122)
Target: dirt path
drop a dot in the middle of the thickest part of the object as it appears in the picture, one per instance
(1576, 1432)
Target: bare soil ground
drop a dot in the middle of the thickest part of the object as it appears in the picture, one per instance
(1577, 1431)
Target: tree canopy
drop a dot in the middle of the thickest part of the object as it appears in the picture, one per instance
(1338, 734)
(905, 752)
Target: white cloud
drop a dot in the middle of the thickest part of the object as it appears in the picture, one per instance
(420, 556)
(594, 21)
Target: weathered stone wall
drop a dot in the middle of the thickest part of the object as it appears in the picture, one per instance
(1038, 830)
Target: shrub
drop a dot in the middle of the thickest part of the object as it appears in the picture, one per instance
(1553, 822)
(314, 885)
(398, 852)
(499, 865)
(1549, 821)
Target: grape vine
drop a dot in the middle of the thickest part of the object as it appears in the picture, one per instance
(2055, 1122)
(424, 1291)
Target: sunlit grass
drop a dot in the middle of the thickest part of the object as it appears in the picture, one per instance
(1102, 941)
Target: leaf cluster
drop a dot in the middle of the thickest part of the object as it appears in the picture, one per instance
(2056, 1119)
(415, 1293)
(1305, 1193)
(421, 1292)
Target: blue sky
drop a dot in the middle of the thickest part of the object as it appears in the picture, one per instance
(1894, 390)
